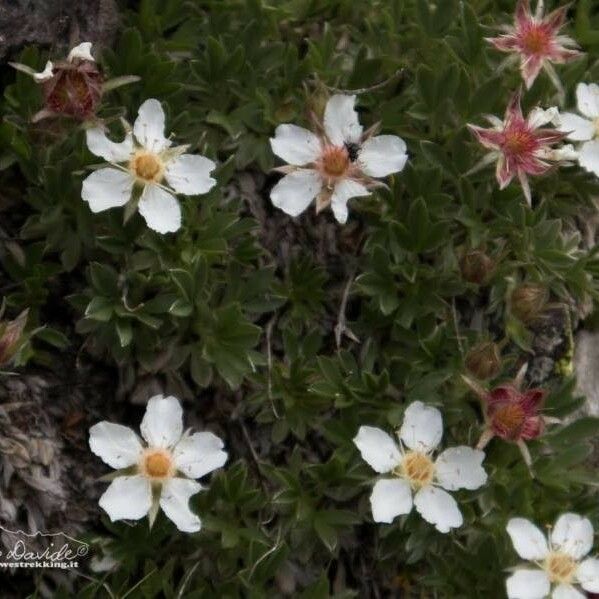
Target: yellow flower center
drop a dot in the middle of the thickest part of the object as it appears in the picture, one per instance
(147, 166)
(157, 463)
(417, 468)
(560, 567)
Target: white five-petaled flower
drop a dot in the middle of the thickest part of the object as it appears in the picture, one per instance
(335, 165)
(414, 473)
(559, 559)
(584, 128)
(145, 159)
(160, 474)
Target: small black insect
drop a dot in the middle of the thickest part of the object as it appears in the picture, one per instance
(352, 150)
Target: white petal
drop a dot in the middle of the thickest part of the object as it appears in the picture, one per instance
(190, 174)
(528, 584)
(588, 575)
(390, 497)
(199, 454)
(46, 74)
(377, 448)
(422, 427)
(107, 188)
(344, 190)
(149, 126)
(587, 97)
(294, 192)
(174, 501)
(117, 445)
(82, 51)
(566, 591)
(341, 120)
(529, 542)
(295, 145)
(382, 155)
(577, 127)
(572, 534)
(438, 507)
(162, 424)
(100, 145)
(461, 468)
(539, 117)
(160, 209)
(588, 156)
(127, 498)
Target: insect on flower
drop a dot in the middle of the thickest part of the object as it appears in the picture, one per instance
(511, 414)
(142, 162)
(339, 163)
(522, 146)
(160, 474)
(584, 128)
(559, 564)
(417, 479)
(536, 42)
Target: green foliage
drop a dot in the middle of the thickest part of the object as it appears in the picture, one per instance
(238, 311)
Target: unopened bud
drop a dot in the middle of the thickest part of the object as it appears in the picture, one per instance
(483, 361)
(75, 89)
(476, 267)
(528, 301)
(11, 337)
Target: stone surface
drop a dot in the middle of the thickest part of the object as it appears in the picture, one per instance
(56, 24)
(586, 366)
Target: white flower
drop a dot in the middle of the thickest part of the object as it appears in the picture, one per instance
(557, 559)
(584, 128)
(160, 474)
(414, 471)
(335, 165)
(145, 159)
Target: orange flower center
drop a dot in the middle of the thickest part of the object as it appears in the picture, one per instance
(509, 418)
(417, 468)
(560, 567)
(335, 160)
(157, 464)
(518, 142)
(147, 166)
(535, 41)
